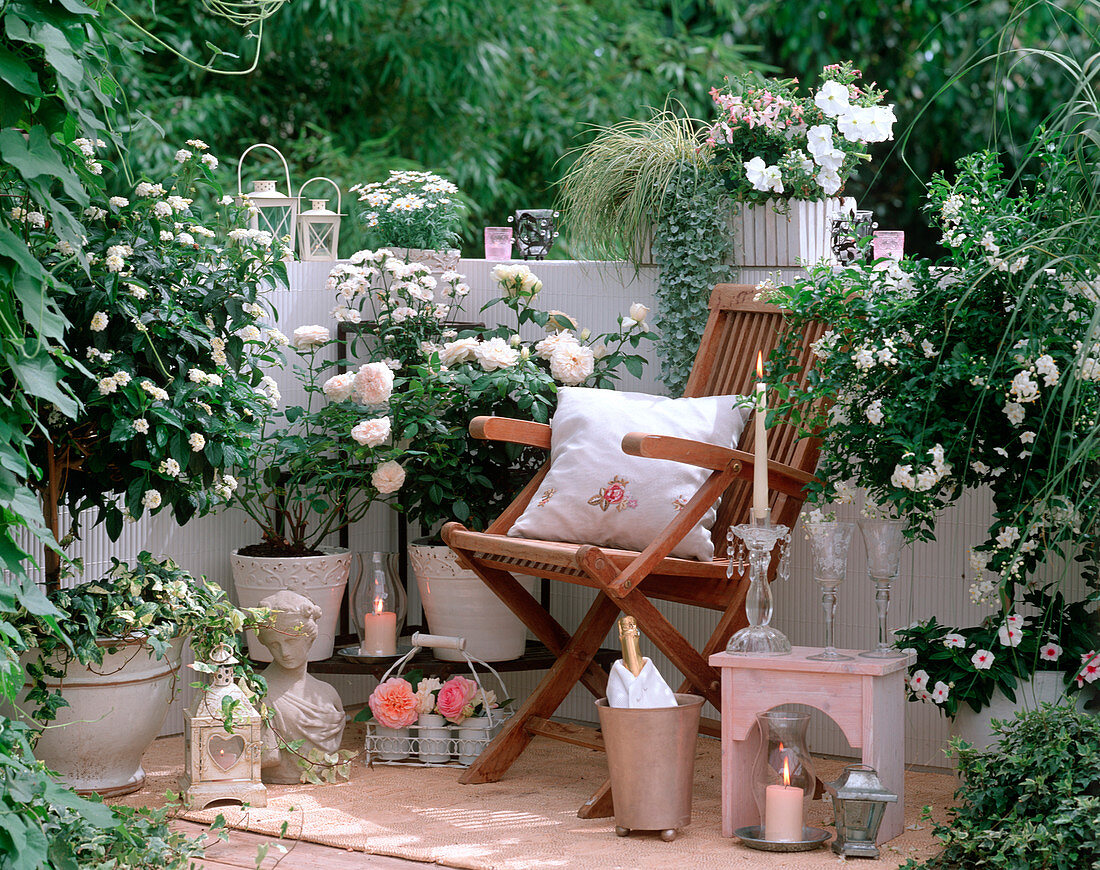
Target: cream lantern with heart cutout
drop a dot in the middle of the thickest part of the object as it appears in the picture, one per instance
(222, 763)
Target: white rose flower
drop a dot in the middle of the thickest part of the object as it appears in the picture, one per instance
(306, 337)
(338, 388)
(545, 348)
(458, 351)
(388, 477)
(571, 363)
(371, 433)
(373, 384)
(496, 354)
(638, 312)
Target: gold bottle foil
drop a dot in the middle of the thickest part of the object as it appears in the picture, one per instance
(630, 640)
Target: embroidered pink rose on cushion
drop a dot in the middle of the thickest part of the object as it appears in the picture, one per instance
(614, 495)
(453, 697)
(393, 703)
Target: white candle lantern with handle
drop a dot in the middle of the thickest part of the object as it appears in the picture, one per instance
(269, 209)
(319, 226)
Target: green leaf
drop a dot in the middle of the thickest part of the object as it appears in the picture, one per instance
(17, 74)
(41, 377)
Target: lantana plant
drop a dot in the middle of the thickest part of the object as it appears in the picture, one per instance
(770, 141)
(980, 372)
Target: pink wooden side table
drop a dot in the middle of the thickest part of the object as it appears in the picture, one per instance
(865, 697)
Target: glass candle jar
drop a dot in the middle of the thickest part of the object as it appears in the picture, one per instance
(783, 775)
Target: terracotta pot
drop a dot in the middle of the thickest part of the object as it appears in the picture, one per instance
(457, 604)
(116, 709)
(322, 579)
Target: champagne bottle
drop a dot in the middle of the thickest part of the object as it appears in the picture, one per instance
(630, 641)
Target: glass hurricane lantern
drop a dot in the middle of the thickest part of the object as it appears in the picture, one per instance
(829, 542)
(884, 540)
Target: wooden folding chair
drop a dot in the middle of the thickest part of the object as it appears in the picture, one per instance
(627, 581)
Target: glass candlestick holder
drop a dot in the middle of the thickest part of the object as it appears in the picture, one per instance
(759, 638)
(829, 542)
(884, 540)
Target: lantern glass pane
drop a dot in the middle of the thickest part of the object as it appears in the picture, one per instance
(276, 219)
(225, 751)
(319, 240)
(858, 817)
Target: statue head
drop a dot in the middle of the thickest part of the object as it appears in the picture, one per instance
(291, 629)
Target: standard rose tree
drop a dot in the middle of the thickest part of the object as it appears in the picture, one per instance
(447, 375)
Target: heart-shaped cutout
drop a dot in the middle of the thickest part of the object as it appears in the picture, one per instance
(225, 751)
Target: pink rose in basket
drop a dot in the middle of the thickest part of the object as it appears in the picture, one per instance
(393, 703)
(453, 697)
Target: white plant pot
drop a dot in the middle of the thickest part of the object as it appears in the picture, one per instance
(1045, 687)
(473, 737)
(457, 604)
(393, 743)
(321, 579)
(797, 233)
(116, 709)
(434, 738)
(438, 261)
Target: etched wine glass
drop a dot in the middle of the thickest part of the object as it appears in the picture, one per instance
(829, 542)
(884, 540)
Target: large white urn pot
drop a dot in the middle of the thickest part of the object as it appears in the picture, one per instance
(1044, 687)
(457, 604)
(116, 709)
(322, 579)
(783, 234)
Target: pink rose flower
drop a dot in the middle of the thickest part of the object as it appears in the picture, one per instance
(453, 697)
(393, 703)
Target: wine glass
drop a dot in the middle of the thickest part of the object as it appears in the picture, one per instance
(829, 542)
(883, 540)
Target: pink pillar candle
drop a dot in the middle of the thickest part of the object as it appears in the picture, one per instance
(783, 813)
(379, 634)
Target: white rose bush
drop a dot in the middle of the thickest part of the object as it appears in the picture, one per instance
(445, 372)
(976, 372)
(164, 354)
(769, 142)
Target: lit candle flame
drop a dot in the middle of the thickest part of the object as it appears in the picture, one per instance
(786, 772)
(760, 364)
(377, 606)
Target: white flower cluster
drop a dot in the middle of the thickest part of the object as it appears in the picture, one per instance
(917, 479)
(224, 485)
(918, 685)
(516, 280)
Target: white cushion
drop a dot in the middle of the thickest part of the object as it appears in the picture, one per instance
(596, 494)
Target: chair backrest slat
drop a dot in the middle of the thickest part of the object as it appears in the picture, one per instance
(738, 328)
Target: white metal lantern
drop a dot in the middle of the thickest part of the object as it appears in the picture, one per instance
(269, 208)
(222, 764)
(319, 227)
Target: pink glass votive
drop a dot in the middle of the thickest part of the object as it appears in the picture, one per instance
(888, 243)
(498, 243)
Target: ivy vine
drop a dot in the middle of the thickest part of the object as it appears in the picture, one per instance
(691, 241)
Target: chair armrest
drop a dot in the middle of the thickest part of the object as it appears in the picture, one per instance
(781, 478)
(507, 429)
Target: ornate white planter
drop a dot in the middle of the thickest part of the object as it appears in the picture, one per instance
(1045, 687)
(788, 234)
(437, 260)
(457, 604)
(115, 712)
(321, 579)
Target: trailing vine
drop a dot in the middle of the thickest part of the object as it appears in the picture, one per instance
(691, 241)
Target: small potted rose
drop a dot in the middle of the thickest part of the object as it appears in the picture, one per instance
(393, 708)
(462, 702)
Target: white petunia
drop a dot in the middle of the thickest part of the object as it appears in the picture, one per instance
(833, 99)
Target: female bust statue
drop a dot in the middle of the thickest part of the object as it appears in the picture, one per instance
(304, 707)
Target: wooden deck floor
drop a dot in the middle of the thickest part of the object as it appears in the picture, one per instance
(239, 853)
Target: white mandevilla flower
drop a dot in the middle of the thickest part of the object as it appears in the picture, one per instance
(373, 384)
(388, 477)
(983, 660)
(496, 353)
(306, 337)
(571, 364)
(99, 322)
(338, 388)
(371, 433)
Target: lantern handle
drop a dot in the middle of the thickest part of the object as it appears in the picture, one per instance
(339, 203)
(279, 154)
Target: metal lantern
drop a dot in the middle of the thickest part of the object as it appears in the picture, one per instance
(269, 208)
(859, 802)
(849, 232)
(535, 231)
(319, 227)
(221, 764)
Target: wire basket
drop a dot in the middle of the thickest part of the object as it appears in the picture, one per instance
(443, 744)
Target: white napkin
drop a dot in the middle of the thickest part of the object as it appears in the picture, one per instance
(648, 689)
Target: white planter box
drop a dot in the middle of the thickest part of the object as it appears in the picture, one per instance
(796, 234)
